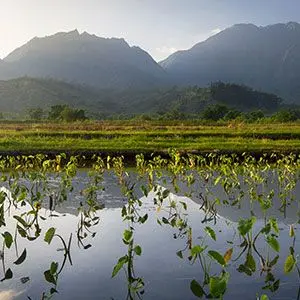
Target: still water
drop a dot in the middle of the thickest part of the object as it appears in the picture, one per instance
(165, 274)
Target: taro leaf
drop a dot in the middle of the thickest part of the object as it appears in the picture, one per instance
(49, 277)
(210, 232)
(49, 235)
(246, 225)
(250, 262)
(165, 194)
(227, 255)
(273, 243)
(289, 264)
(179, 254)
(20, 220)
(123, 260)
(127, 235)
(274, 224)
(274, 261)
(197, 250)
(197, 289)
(138, 250)
(21, 258)
(292, 231)
(8, 239)
(53, 267)
(52, 291)
(218, 285)
(244, 269)
(217, 257)
(8, 275)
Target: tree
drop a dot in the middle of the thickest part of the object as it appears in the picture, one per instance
(36, 113)
(215, 112)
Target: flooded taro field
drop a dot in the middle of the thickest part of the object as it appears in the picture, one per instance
(183, 227)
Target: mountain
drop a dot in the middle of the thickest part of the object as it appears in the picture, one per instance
(85, 59)
(264, 58)
(19, 95)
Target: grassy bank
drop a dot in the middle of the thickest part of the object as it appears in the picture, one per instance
(129, 136)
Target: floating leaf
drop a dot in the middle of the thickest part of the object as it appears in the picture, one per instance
(49, 235)
(8, 239)
(217, 257)
(197, 289)
(227, 255)
(289, 264)
(21, 258)
(210, 232)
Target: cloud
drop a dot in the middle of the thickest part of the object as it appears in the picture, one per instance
(215, 31)
(166, 50)
(8, 295)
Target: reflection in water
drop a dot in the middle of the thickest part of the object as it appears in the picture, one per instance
(8, 295)
(86, 230)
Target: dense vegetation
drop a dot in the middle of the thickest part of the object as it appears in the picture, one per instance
(23, 98)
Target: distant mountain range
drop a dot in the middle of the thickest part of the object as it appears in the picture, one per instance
(264, 58)
(86, 59)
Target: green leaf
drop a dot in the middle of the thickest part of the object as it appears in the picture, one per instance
(273, 243)
(244, 269)
(21, 258)
(264, 297)
(246, 225)
(138, 250)
(289, 264)
(218, 285)
(165, 194)
(49, 235)
(49, 277)
(250, 262)
(123, 260)
(53, 267)
(127, 235)
(274, 225)
(197, 289)
(20, 220)
(197, 250)
(179, 254)
(217, 257)
(8, 239)
(210, 232)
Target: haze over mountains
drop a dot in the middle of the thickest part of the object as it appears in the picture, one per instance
(264, 58)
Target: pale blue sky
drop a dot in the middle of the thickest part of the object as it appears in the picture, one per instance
(158, 26)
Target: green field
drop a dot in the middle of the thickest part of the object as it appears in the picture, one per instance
(148, 136)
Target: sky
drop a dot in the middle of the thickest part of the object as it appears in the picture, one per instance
(160, 27)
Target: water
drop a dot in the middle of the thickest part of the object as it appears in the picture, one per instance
(166, 276)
